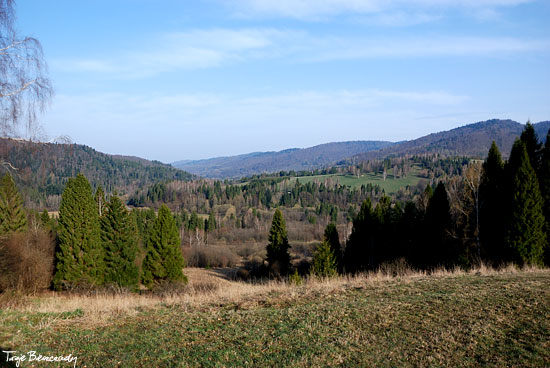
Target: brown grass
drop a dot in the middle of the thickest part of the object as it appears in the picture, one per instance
(212, 288)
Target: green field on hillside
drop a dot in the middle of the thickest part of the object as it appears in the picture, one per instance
(465, 320)
(390, 185)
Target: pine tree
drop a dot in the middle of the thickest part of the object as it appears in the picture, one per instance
(164, 260)
(211, 222)
(544, 181)
(278, 257)
(438, 249)
(359, 248)
(45, 219)
(119, 236)
(332, 237)
(532, 145)
(12, 215)
(324, 261)
(81, 256)
(491, 217)
(525, 237)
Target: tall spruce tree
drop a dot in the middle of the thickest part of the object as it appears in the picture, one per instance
(438, 249)
(211, 222)
(164, 260)
(359, 247)
(491, 212)
(12, 214)
(119, 236)
(544, 181)
(332, 237)
(532, 145)
(80, 257)
(525, 237)
(278, 257)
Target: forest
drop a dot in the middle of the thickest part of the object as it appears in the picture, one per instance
(273, 226)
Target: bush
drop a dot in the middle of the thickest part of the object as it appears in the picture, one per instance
(27, 261)
(210, 256)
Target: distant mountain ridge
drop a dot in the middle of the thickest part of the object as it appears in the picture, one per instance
(289, 159)
(470, 140)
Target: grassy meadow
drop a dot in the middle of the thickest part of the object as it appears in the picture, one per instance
(390, 185)
(455, 318)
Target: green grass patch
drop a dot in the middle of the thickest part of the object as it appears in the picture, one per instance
(468, 321)
(390, 185)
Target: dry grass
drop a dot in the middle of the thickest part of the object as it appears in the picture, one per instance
(215, 287)
(393, 317)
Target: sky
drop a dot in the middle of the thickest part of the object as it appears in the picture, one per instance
(172, 80)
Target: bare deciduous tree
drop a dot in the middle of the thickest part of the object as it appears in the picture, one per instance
(465, 203)
(25, 89)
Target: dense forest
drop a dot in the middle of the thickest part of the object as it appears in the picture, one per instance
(494, 212)
(41, 170)
(473, 140)
(295, 159)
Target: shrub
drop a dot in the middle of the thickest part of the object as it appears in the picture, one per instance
(26, 261)
(210, 256)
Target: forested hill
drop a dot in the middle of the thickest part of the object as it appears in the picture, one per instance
(291, 159)
(470, 140)
(42, 169)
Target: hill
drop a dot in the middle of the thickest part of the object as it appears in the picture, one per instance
(42, 169)
(472, 140)
(291, 159)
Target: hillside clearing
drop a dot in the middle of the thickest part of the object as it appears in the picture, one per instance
(390, 185)
(447, 319)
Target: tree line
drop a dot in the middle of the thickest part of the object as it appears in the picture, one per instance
(97, 240)
(502, 216)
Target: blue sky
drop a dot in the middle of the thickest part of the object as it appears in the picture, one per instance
(172, 80)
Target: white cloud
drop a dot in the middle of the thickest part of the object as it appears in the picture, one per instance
(194, 49)
(321, 9)
(199, 49)
(342, 49)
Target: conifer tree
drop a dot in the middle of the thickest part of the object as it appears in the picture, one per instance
(45, 218)
(164, 260)
(532, 145)
(332, 237)
(491, 217)
(278, 257)
(211, 222)
(544, 180)
(438, 222)
(12, 215)
(324, 260)
(80, 257)
(119, 236)
(525, 235)
(359, 247)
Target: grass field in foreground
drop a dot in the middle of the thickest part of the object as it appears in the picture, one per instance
(451, 320)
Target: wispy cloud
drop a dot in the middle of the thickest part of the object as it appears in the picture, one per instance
(323, 9)
(341, 49)
(189, 50)
(199, 49)
(175, 126)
